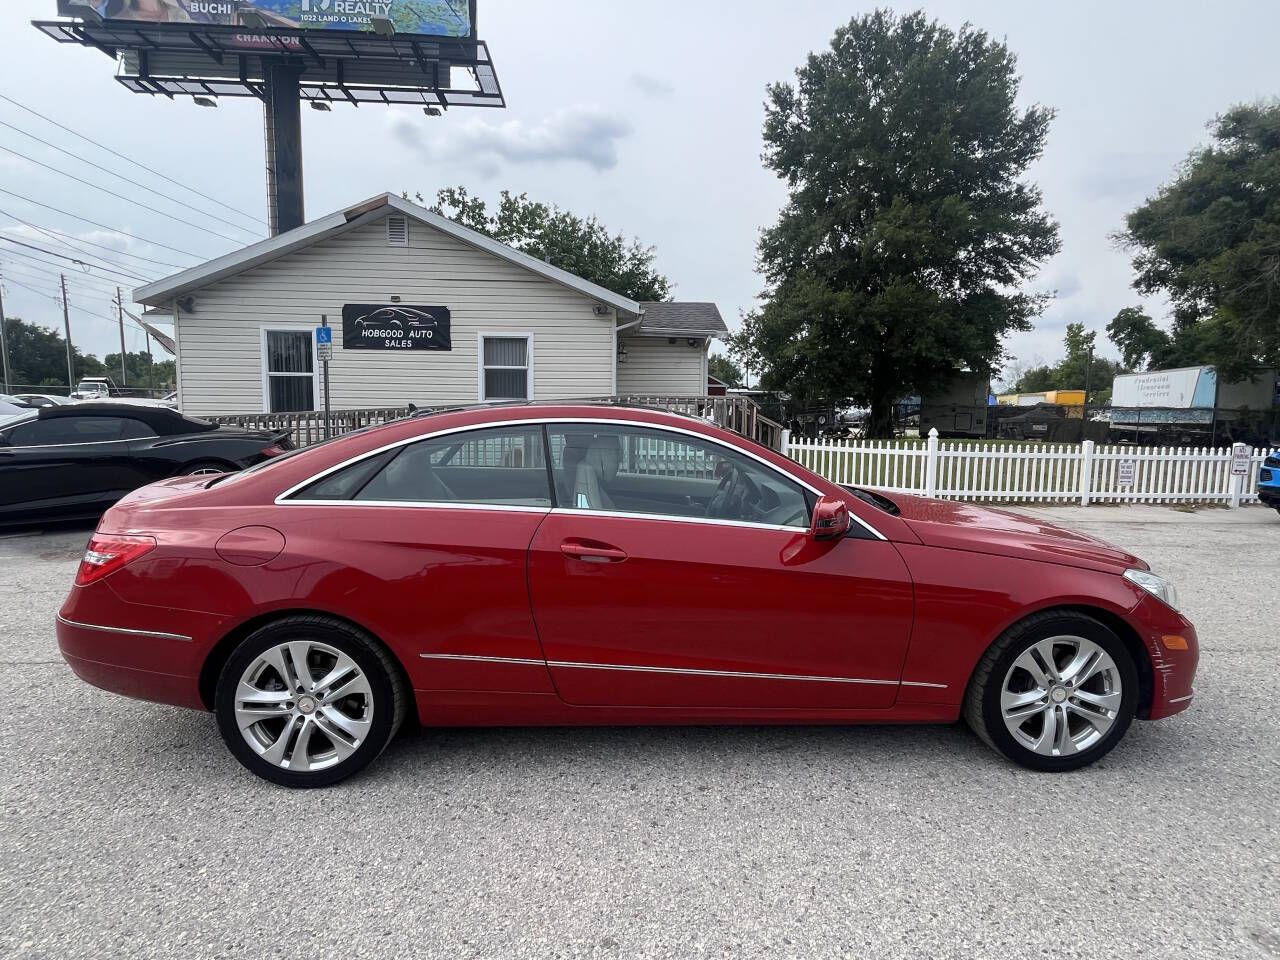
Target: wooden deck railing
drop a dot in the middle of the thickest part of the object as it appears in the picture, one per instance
(739, 414)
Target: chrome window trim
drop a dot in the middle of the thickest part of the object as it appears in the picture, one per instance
(126, 630)
(283, 498)
(687, 671)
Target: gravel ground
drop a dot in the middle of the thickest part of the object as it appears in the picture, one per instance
(128, 830)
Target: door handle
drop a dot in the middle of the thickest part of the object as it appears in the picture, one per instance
(592, 551)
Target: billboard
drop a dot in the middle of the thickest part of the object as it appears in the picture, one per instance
(436, 18)
(1187, 388)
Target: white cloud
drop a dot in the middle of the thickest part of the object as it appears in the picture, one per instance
(577, 134)
(651, 86)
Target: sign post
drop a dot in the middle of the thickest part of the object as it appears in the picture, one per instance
(1241, 461)
(324, 353)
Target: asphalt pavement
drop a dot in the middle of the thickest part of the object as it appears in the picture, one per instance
(129, 831)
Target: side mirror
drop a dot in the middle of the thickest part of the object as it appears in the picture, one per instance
(830, 519)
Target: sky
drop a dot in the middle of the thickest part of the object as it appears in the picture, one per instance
(646, 115)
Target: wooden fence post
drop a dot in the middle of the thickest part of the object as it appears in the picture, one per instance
(931, 464)
(786, 442)
(1086, 471)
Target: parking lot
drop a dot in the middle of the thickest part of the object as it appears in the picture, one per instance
(128, 830)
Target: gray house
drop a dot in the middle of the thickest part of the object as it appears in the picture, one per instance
(422, 310)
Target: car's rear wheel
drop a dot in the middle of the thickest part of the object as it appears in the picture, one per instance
(1056, 692)
(307, 701)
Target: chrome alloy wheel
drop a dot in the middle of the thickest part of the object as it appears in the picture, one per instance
(304, 705)
(1061, 696)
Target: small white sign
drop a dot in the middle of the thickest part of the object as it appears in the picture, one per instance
(1240, 460)
(324, 351)
(1125, 472)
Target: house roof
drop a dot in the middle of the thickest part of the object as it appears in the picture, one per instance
(681, 320)
(156, 294)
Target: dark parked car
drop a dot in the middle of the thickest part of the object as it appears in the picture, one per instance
(74, 461)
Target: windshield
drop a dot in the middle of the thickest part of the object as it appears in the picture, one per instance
(877, 500)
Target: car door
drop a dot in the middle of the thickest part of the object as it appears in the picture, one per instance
(653, 585)
(64, 465)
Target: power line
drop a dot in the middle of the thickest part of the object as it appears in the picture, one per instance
(53, 295)
(95, 223)
(28, 259)
(63, 256)
(131, 160)
(66, 238)
(107, 170)
(120, 196)
(79, 280)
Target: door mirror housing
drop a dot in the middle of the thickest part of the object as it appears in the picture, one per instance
(830, 519)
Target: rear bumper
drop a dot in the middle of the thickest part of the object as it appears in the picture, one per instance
(145, 652)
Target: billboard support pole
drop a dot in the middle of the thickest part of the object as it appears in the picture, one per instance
(282, 116)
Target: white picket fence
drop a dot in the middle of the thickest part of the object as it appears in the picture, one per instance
(1047, 472)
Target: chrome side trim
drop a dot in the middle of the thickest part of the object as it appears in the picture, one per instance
(463, 656)
(674, 518)
(127, 630)
(921, 683)
(1181, 699)
(714, 673)
(427, 504)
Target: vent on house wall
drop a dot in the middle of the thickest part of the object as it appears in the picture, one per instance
(397, 231)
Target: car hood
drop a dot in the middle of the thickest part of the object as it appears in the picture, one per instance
(965, 526)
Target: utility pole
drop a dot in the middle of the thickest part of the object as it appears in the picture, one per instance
(1088, 375)
(151, 374)
(66, 322)
(4, 341)
(124, 376)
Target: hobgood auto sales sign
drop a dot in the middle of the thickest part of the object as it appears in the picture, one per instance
(395, 326)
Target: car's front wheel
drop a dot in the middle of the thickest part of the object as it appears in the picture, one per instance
(1056, 692)
(307, 701)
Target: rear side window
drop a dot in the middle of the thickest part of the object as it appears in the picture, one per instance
(344, 484)
(66, 430)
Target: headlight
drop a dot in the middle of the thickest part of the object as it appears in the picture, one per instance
(1158, 587)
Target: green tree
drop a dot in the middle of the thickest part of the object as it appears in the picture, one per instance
(142, 370)
(724, 370)
(583, 247)
(908, 228)
(1210, 241)
(1074, 371)
(38, 356)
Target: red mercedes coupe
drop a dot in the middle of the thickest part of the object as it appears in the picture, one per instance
(579, 564)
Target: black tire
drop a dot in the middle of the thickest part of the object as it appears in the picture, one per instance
(206, 466)
(982, 709)
(389, 696)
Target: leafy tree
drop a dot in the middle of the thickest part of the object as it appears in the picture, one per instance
(1074, 370)
(1210, 241)
(724, 370)
(908, 229)
(38, 356)
(142, 370)
(583, 247)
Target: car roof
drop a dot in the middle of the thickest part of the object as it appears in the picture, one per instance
(163, 420)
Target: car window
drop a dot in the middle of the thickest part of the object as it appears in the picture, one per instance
(135, 429)
(504, 466)
(344, 484)
(642, 470)
(65, 430)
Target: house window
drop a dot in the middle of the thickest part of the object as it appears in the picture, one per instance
(289, 372)
(505, 368)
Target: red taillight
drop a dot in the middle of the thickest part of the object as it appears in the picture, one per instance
(273, 451)
(108, 552)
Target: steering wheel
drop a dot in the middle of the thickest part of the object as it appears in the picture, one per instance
(735, 497)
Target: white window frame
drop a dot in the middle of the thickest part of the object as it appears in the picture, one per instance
(267, 375)
(525, 335)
